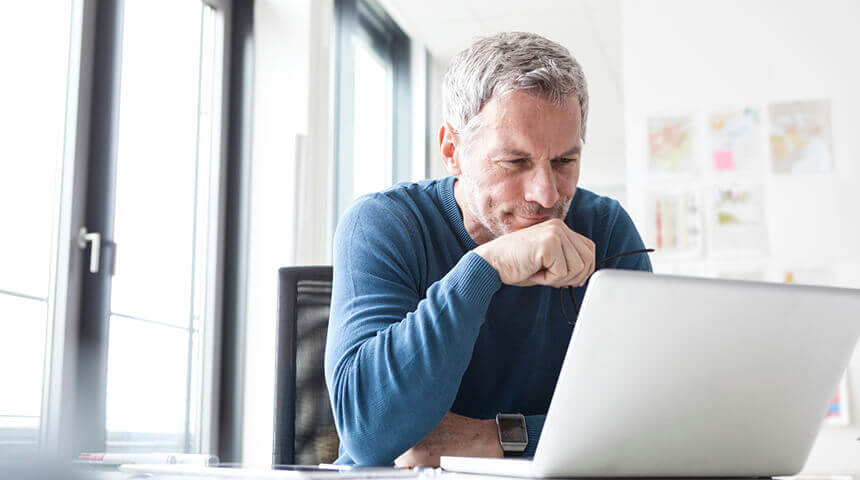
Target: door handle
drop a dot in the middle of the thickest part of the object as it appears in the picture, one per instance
(95, 239)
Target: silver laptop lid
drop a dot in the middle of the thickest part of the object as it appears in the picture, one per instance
(677, 376)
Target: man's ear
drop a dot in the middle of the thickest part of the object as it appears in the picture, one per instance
(448, 144)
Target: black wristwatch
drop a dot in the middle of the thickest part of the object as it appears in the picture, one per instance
(512, 433)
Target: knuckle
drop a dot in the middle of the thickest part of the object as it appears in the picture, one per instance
(550, 239)
(552, 226)
(549, 233)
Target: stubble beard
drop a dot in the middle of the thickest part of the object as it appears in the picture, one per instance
(494, 222)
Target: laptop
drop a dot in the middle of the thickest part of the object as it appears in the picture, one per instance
(669, 376)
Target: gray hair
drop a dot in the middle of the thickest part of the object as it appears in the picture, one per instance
(506, 62)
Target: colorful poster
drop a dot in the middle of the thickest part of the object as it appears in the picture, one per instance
(734, 140)
(800, 140)
(670, 145)
(837, 413)
(675, 223)
(737, 222)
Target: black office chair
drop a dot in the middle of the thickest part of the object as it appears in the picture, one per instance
(304, 425)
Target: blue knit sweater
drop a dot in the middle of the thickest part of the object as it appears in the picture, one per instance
(421, 325)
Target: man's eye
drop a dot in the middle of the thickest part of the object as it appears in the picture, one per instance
(515, 161)
(567, 159)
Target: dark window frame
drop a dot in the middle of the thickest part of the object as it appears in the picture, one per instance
(369, 20)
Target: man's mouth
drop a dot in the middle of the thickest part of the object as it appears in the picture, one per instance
(533, 218)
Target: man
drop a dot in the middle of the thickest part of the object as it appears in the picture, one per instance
(446, 307)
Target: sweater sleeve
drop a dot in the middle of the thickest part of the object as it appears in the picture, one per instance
(534, 427)
(394, 361)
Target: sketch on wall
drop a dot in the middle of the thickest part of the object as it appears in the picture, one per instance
(737, 221)
(800, 140)
(675, 223)
(670, 145)
(734, 140)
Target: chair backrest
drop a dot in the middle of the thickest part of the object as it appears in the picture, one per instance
(304, 425)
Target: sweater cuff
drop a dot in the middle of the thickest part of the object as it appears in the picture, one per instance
(534, 425)
(474, 280)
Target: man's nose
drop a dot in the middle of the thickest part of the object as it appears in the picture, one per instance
(542, 187)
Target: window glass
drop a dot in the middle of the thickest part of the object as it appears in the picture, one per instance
(167, 170)
(372, 121)
(34, 50)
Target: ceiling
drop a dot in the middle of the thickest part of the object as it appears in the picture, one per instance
(590, 29)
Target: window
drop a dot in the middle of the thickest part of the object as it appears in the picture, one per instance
(112, 124)
(33, 92)
(371, 153)
(372, 102)
(165, 219)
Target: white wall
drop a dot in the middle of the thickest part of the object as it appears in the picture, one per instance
(290, 215)
(694, 56)
(437, 69)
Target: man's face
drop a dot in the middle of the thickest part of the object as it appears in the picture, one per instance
(520, 167)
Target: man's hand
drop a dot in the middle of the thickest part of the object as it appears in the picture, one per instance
(455, 435)
(548, 253)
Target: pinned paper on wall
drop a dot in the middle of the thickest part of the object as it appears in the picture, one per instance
(816, 276)
(737, 221)
(724, 160)
(734, 139)
(675, 223)
(670, 145)
(837, 412)
(800, 140)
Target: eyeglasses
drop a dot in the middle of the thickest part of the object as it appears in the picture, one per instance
(570, 289)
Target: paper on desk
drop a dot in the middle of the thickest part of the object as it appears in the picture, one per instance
(146, 458)
(265, 473)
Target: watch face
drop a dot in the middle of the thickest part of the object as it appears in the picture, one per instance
(511, 429)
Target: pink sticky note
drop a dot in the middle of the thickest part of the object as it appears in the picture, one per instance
(724, 160)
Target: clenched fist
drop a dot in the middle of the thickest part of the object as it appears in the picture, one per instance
(548, 253)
